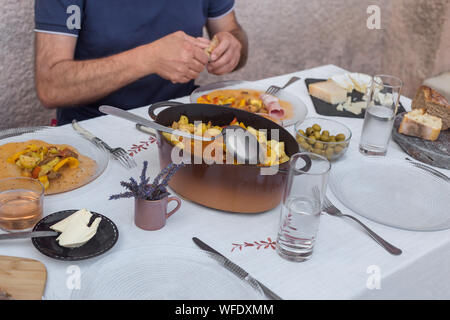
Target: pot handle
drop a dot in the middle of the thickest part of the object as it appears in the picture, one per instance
(161, 104)
(308, 164)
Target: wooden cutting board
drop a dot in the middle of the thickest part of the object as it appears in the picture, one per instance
(22, 278)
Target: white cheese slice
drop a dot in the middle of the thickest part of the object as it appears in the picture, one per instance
(356, 107)
(344, 81)
(361, 81)
(77, 235)
(82, 215)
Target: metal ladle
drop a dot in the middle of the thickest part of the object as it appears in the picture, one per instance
(242, 145)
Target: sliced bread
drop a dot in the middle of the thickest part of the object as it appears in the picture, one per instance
(418, 123)
(434, 104)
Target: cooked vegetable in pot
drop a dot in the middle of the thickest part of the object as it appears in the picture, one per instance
(275, 150)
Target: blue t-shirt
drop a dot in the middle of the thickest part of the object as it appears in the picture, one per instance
(108, 27)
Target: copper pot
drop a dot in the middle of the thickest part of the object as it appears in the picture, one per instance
(227, 187)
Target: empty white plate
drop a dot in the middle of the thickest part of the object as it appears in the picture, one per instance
(162, 273)
(392, 192)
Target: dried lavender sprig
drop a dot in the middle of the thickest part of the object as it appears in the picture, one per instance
(144, 179)
(128, 194)
(170, 174)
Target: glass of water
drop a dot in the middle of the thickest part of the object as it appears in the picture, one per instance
(384, 96)
(302, 205)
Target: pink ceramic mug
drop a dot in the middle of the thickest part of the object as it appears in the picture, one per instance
(152, 215)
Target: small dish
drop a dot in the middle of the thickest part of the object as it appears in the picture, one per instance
(331, 140)
(105, 238)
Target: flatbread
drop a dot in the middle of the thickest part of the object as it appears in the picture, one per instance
(71, 178)
(214, 43)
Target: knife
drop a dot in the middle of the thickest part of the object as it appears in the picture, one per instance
(25, 235)
(234, 268)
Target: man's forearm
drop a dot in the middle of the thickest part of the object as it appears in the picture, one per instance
(240, 34)
(71, 82)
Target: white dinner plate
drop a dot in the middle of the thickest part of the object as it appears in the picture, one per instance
(300, 108)
(392, 192)
(161, 273)
(54, 135)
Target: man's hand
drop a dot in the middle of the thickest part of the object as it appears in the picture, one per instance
(226, 56)
(179, 57)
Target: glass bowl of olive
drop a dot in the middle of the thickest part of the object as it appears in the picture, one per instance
(324, 137)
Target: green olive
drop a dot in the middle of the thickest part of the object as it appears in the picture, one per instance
(338, 149)
(340, 137)
(300, 139)
(326, 133)
(318, 145)
(309, 131)
(329, 153)
(317, 135)
(318, 151)
(324, 138)
(305, 146)
(316, 127)
(311, 140)
(332, 139)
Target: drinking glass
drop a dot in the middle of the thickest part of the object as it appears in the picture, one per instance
(384, 96)
(21, 203)
(302, 205)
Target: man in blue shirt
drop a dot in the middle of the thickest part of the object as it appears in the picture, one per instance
(129, 54)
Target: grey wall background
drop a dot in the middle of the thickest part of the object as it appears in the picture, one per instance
(285, 36)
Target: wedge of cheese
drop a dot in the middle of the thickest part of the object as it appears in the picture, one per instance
(344, 81)
(328, 91)
(361, 81)
(74, 229)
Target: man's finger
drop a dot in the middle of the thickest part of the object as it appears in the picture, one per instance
(196, 65)
(201, 56)
(203, 42)
(220, 49)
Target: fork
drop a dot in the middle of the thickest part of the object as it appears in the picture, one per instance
(329, 208)
(118, 153)
(273, 90)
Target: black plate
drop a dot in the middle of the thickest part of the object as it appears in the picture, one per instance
(328, 109)
(105, 238)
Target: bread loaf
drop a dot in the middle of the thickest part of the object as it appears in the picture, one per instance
(434, 104)
(418, 123)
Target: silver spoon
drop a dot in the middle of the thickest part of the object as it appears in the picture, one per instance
(239, 142)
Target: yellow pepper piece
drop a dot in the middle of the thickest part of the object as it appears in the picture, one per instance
(15, 157)
(44, 181)
(32, 147)
(71, 161)
(242, 125)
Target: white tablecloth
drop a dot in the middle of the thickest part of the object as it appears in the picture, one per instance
(344, 256)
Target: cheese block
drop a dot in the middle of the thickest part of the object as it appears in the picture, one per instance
(418, 123)
(434, 103)
(328, 91)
